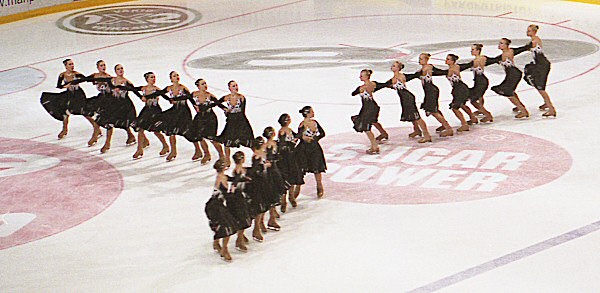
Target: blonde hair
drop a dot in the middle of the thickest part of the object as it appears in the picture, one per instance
(534, 27)
(367, 71)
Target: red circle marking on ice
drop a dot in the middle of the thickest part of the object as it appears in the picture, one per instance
(47, 189)
(481, 164)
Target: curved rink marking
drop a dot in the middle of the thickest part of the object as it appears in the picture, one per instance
(558, 25)
(61, 187)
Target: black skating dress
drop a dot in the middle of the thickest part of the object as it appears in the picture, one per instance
(205, 122)
(238, 131)
(432, 92)
(369, 111)
(480, 84)
(220, 220)
(536, 72)
(310, 155)
(116, 108)
(93, 104)
(288, 163)
(513, 74)
(149, 115)
(237, 200)
(258, 189)
(71, 101)
(279, 186)
(460, 91)
(410, 112)
(177, 119)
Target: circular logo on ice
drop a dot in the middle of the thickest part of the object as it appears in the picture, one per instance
(484, 163)
(128, 19)
(46, 189)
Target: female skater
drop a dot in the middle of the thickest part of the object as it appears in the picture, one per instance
(536, 72)
(237, 131)
(432, 94)
(177, 119)
(288, 163)
(148, 116)
(237, 200)
(310, 154)
(480, 82)
(92, 105)
(71, 101)
(221, 221)
(460, 93)
(369, 111)
(513, 75)
(258, 189)
(279, 186)
(407, 102)
(116, 110)
(205, 123)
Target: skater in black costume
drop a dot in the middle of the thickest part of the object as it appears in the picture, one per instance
(536, 72)
(146, 120)
(238, 131)
(116, 109)
(369, 111)
(288, 163)
(237, 200)
(205, 123)
(460, 92)
(432, 94)
(221, 221)
(177, 119)
(309, 152)
(279, 186)
(410, 112)
(70, 102)
(258, 189)
(480, 83)
(92, 104)
(513, 75)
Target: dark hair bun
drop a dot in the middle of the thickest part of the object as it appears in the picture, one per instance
(238, 157)
(283, 119)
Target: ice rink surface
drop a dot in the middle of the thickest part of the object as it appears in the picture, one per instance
(510, 206)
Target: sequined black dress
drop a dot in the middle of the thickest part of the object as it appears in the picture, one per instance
(288, 162)
(513, 74)
(177, 119)
(237, 200)
(408, 103)
(116, 109)
(536, 72)
(71, 101)
(149, 115)
(310, 155)
(369, 111)
(205, 122)
(258, 189)
(221, 221)
(238, 131)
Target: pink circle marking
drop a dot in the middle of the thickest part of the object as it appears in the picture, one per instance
(73, 188)
(481, 164)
